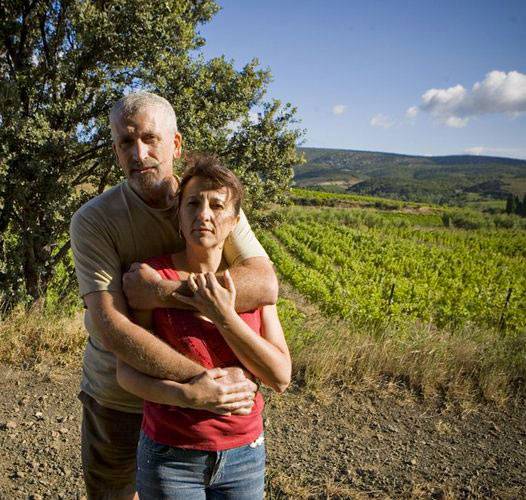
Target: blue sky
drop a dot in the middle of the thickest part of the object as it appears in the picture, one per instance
(357, 71)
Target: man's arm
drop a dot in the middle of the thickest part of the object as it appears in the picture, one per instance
(196, 393)
(132, 343)
(254, 279)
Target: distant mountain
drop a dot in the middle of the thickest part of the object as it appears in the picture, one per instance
(417, 178)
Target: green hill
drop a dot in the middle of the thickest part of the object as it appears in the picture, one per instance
(438, 179)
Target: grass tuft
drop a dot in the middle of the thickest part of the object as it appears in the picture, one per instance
(472, 365)
(29, 337)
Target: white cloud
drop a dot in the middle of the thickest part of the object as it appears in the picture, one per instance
(499, 92)
(487, 151)
(381, 120)
(411, 112)
(476, 150)
(456, 122)
(339, 109)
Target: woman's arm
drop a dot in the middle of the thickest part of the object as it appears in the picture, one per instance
(266, 356)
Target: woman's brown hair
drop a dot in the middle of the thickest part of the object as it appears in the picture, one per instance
(210, 168)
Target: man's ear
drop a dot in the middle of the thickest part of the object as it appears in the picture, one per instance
(178, 143)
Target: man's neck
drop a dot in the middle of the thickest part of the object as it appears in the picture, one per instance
(160, 196)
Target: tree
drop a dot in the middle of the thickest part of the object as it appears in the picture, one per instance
(63, 63)
(522, 210)
(509, 204)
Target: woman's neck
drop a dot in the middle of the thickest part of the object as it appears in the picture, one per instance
(203, 260)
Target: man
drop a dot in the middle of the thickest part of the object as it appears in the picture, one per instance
(125, 225)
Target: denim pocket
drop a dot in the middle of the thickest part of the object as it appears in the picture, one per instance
(150, 447)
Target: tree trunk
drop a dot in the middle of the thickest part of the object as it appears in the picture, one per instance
(31, 274)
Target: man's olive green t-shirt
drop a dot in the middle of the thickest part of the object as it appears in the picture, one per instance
(109, 233)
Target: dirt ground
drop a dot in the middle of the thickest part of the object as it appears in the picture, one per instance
(382, 443)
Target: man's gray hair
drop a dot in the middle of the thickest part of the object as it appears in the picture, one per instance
(131, 104)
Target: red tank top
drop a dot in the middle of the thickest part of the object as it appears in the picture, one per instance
(202, 342)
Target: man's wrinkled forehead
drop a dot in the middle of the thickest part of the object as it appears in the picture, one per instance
(149, 117)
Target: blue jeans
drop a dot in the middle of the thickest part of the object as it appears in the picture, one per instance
(166, 472)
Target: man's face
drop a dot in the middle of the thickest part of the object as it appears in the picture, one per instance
(145, 149)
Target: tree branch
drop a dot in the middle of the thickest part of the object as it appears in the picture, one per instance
(85, 155)
(11, 55)
(60, 254)
(23, 31)
(82, 177)
(104, 181)
(49, 62)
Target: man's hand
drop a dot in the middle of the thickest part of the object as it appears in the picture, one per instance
(254, 279)
(141, 287)
(223, 391)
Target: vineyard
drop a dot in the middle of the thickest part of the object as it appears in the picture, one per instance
(370, 267)
(433, 295)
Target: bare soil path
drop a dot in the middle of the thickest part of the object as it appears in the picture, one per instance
(382, 443)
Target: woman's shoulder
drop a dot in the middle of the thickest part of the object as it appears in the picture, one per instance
(164, 265)
(252, 318)
(160, 262)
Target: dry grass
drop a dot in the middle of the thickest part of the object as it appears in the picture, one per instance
(466, 366)
(32, 337)
(282, 486)
(470, 365)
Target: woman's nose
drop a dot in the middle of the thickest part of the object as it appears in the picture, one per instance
(204, 212)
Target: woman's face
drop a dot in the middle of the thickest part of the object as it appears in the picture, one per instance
(206, 215)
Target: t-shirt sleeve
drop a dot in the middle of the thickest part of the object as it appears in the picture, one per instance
(97, 263)
(242, 243)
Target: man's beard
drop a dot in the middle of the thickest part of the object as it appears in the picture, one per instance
(146, 184)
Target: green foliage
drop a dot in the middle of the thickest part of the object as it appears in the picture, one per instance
(466, 219)
(62, 65)
(515, 206)
(448, 180)
(269, 142)
(293, 322)
(347, 261)
(316, 197)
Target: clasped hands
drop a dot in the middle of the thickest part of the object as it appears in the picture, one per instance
(222, 391)
(211, 299)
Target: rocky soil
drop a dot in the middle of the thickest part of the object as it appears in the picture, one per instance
(382, 443)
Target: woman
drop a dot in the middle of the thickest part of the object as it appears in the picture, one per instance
(185, 453)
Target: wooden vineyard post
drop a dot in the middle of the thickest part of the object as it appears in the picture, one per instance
(390, 301)
(502, 319)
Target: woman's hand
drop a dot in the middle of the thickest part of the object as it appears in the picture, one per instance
(210, 298)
